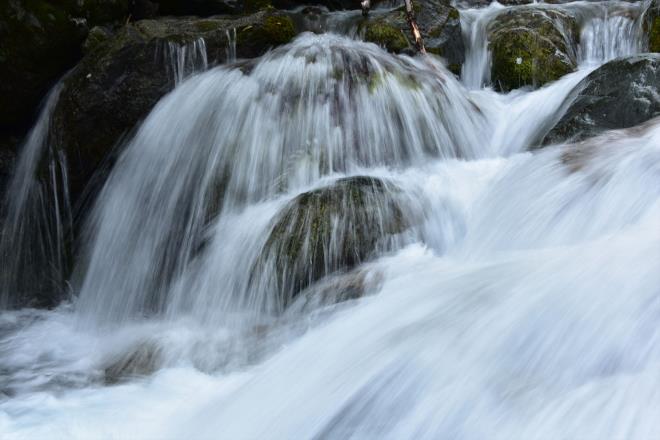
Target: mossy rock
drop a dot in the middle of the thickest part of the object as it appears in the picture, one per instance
(385, 35)
(531, 47)
(329, 230)
(273, 31)
(652, 26)
(599, 102)
(97, 36)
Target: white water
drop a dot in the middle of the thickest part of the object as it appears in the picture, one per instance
(523, 303)
(37, 215)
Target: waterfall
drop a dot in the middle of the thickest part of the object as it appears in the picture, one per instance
(183, 60)
(612, 34)
(607, 30)
(36, 217)
(332, 241)
(181, 171)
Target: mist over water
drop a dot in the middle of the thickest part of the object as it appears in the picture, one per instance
(517, 297)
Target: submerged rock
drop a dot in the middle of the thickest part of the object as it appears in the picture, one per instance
(144, 359)
(532, 46)
(620, 94)
(328, 230)
(438, 21)
(124, 75)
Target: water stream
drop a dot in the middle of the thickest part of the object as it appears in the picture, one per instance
(521, 299)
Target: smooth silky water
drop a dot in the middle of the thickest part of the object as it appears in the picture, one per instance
(523, 302)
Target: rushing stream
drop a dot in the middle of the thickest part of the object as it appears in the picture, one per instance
(522, 301)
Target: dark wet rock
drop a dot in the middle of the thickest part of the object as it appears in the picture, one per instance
(328, 230)
(333, 5)
(438, 22)
(123, 76)
(622, 93)
(337, 288)
(143, 360)
(532, 46)
(39, 41)
(202, 8)
(8, 149)
(96, 36)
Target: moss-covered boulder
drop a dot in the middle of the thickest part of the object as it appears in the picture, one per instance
(532, 46)
(620, 94)
(652, 26)
(328, 230)
(124, 75)
(438, 21)
(387, 34)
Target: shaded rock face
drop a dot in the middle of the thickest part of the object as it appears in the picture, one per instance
(8, 146)
(438, 22)
(39, 42)
(121, 79)
(531, 47)
(329, 230)
(41, 39)
(600, 102)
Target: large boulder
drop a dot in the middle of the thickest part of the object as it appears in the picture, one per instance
(531, 46)
(620, 94)
(438, 21)
(124, 75)
(328, 230)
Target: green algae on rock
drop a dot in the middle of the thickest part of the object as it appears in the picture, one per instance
(531, 47)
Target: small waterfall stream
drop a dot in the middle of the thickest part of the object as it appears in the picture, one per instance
(496, 291)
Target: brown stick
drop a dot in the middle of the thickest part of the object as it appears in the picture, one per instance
(417, 35)
(366, 5)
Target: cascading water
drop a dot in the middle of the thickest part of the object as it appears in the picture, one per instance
(607, 30)
(36, 218)
(493, 292)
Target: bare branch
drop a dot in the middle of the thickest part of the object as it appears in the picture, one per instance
(417, 35)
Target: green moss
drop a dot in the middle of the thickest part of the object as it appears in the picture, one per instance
(386, 36)
(207, 25)
(96, 37)
(454, 14)
(279, 29)
(654, 36)
(524, 58)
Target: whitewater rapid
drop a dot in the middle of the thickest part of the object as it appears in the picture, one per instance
(523, 303)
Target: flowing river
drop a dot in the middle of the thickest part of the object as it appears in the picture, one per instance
(522, 300)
